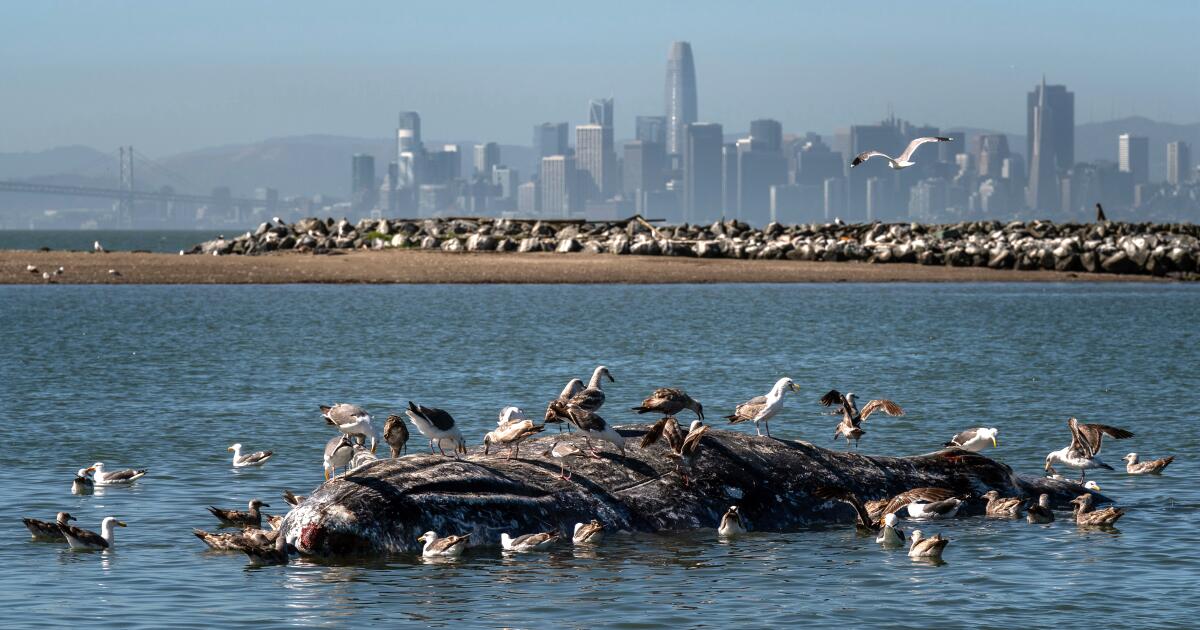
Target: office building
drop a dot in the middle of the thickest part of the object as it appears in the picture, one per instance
(886, 137)
(680, 96)
(596, 161)
(1179, 163)
(644, 167)
(877, 196)
(1133, 157)
(529, 203)
(993, 150)
(767, 134)
(797, 203)
(927, 199)
(559, 189)
(486, 157)
(442, 166)
(600, 112)
(362, 183)
(834, 189)
(1059, 124)
(729, 181)
(506, 179)
(701, 171)
(816, 162)
(758, 169)
(652, 129)
(549, 139)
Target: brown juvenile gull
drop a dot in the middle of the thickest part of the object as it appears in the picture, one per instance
(450, 546)
(592, 397)
(731, 523)
(850, 428)
(240, 518)
(1087, 516)
(590, 424)
(1008, 507)
(395, 433)
(923, 547)
(45, 530)
(1153, 467)
(529, 542)
(573, 387)
(669, 401)
(1040, 512)
(590, 533)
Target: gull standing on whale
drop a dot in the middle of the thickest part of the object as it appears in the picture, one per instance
(1086, 441)
(974, 440)
(850, 428)
(590, 424)
(592, 397)
(436, 424)
(763, 408)
(351, 420)
(338, 453)
(904, 160)
(574, 386)
(395, 433)
(669, 401)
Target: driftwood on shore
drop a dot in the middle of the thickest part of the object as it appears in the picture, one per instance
(1107, 247)
(384, 505)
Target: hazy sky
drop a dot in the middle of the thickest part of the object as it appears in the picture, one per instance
(173, 76)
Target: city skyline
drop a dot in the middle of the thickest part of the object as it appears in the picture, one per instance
(186, 90)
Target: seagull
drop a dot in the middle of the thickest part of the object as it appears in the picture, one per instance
(864, 522)
(1040, 512)
(928, 510)
(31, 268)
(511, 435)
(850, 427)
(338, 453)
(236, 541)
(114, 272)
(268, 554)
(292, 499)
(436, 424)
(1086, 441)
(588, 533)
(974, 440)
(592, 397)
(923, 547)
(59, 271)
(1154, 467)
(763, 408)
(1009, 507)
(395, 433)
(1087, 516)
(879, 509)
(47, 277)
(564, 453)
(904, 159)
(43, 530)
(83, 483)
(80, 538)
(669, 401)
(574, 386)
(529, 542)
(118, 478)
(351, 420)
(97, 247)
(590, 424)
(890, 535)
(731, 523)
(237, 518)
(249, 459)
(450, 546)
(683, 448)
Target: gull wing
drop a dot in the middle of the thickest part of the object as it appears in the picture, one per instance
(912, 146)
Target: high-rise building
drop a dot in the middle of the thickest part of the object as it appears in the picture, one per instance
(1134, 157)
(993, 150)
(389, 201)
(767, 134)
(701, 171)
(506, 179)
(815, 162)
(885, 137)
(758, 169)
(410, 155)
(596, 161)
(528, 201)
(877, 198)
(1058, 128)
(644, 167)
(680, 96)
(549, 139)
(560, 194)
(411, 122)
(927, 199)
(652, 129)
(1179, 163)
(729, 179)
(834, 189)
(443, 166)
(600, 112)
(486, 157)
(362, 183)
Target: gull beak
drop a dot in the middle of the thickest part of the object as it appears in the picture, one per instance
(121, 524)
(72, 518)
(265, 505)
(795, 388)
(326, 474)
(1097, 487)
(374, 445)
(90, 469)
(421, 538)
(994, 443)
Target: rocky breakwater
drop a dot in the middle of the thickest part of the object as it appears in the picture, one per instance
(1106, 247)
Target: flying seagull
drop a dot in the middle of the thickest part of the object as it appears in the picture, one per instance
(904, 160)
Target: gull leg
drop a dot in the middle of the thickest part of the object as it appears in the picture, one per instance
(757, 429)
(440, 450)
(767, 426)
(590, 448)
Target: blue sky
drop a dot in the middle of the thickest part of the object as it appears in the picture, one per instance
(173, 76)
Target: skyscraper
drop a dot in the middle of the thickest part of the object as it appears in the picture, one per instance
(600, 112)
(409, 160)
(993, 150)
(408, 132)
(652, 129)
(362, 183)
(886, 137)
(644, 167)
(549, 139)
(560, 195)
(596, 161)
(767, 134)
(680, 95)
(1134, 157)
(1179, 162)
(758, 169)
(486, 156)
(701, 171)
(1059, 124)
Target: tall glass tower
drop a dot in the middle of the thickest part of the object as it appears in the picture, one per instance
(680, 95)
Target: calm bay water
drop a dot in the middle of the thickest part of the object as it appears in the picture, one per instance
(169, 241)
(168, 377)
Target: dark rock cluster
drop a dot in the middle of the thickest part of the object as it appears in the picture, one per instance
(1106, 247)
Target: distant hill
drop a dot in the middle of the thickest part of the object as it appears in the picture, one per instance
(1098, 141)
(79, 160)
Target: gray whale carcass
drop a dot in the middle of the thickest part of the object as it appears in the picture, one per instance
(383, 506)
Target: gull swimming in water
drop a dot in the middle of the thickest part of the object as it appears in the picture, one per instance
(269, 553)
(864, 521)
(351, 420)
(529, 542)
(238, 518)
(1087, 516)
(904, 160)
(292, 499)
(83, 483)
(43, 530)
(761, 409)
(236, 541)
(1040, 512)
(669, 401)
(395, 433)
(338, 453)
(257, 458)
(879, 509)
(1086, 441)
(731, 523)
(850, 428)
(436, 424)
(116, 478)
(591, 533)
(450, 546)
(574, 386)
(590, 424)
(1008, 507)
(923, 547)
(889, 534)
(80, 538)
(1153, 467)
(974, 440)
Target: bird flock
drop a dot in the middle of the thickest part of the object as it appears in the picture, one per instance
(576, 409)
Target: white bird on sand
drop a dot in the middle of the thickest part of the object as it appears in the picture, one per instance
(31, 269)
(731, 523)
(904, 160)
(80, 538)
(351, 420)
(890, 534)
(763, 408)
(249, 459)
(450, 546)
(529, 542)
(117, 478)
(1086, 442)
(97, 247)
(436, 424)
(974, 440)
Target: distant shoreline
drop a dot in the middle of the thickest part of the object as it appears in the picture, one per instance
(435, 267)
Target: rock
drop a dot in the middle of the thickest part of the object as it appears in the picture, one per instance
(1002, 259)
(568, 245)
(480, 243)
(530, 245)
(1119, 263)
(429, 242)
(453, 245)
(618, 245)
(645, 247)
